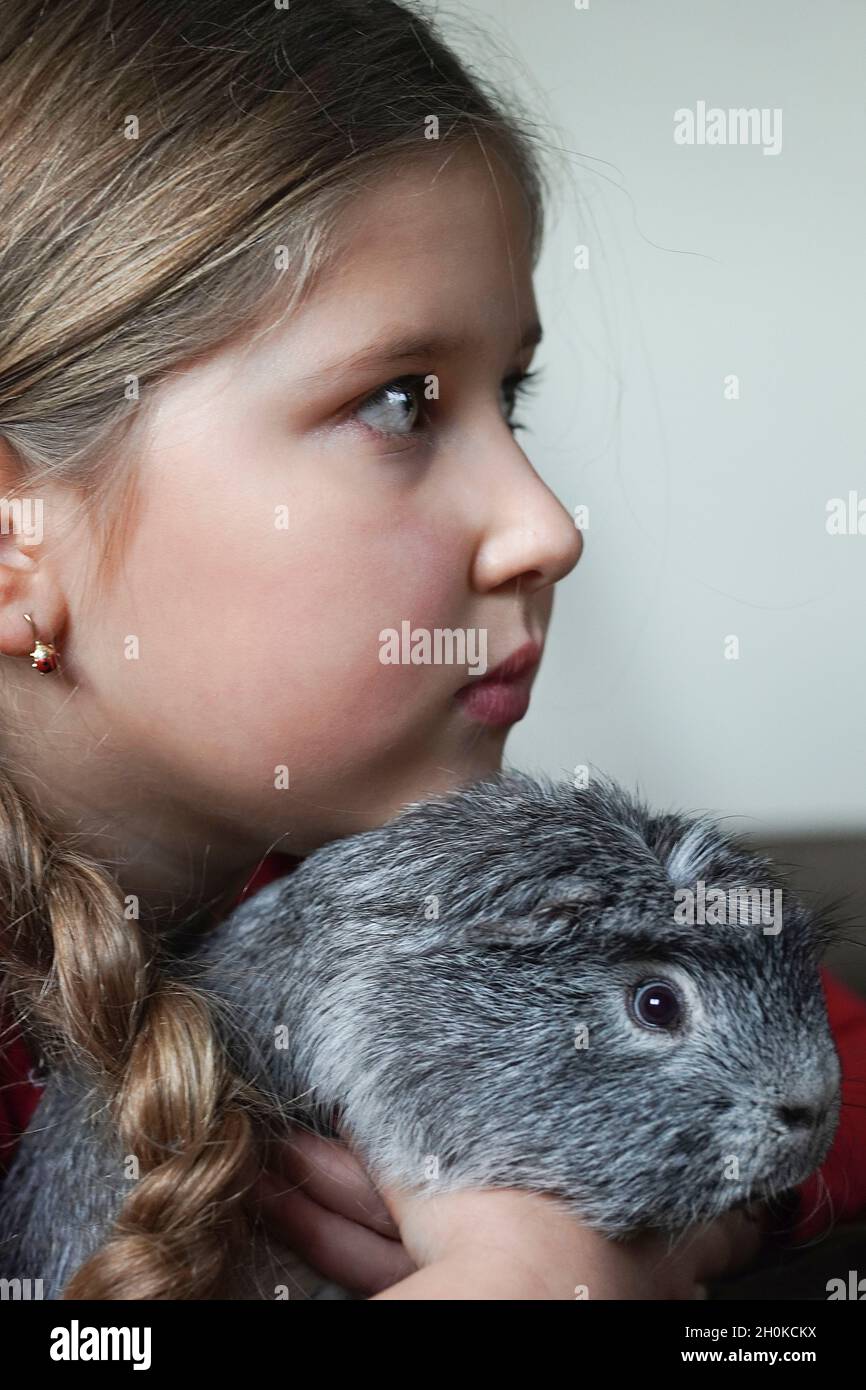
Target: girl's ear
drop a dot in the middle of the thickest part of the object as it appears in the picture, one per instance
(27, 580)
(20, 592)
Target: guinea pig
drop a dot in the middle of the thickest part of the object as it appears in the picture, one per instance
(522, 983)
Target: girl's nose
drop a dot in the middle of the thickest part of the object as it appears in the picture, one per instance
(530, 536)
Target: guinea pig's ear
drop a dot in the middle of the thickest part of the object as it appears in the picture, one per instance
(566, 906)
(688, 847)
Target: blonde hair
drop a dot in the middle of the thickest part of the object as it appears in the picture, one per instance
(155, 154)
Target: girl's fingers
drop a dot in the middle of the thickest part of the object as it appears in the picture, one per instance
(329, 1173)
(338, 1248)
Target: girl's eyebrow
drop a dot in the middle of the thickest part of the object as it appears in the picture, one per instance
(403, 346)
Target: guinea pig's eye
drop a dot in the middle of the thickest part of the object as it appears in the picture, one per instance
(657, 1004)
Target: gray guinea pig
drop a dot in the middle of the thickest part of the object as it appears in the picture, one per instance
(501, 987)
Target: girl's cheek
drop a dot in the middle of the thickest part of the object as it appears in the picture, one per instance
(361, 576)
(275, 636)
(334, 666)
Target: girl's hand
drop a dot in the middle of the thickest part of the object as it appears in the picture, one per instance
(507, 1244)
(317, 1198)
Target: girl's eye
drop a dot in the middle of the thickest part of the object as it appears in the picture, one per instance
(397, 407)
(520, 384)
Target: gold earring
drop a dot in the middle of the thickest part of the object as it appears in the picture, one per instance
(44, 653)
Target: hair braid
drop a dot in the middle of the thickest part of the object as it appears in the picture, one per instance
(86, 982)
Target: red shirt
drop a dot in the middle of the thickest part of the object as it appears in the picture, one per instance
(840, 1195)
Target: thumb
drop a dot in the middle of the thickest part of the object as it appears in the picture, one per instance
(398, 1200)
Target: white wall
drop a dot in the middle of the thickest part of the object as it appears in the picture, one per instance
(707, 515)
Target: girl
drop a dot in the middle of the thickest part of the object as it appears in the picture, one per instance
(267, 309)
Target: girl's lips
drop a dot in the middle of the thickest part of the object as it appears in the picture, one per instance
(502, 696)
(496, 702)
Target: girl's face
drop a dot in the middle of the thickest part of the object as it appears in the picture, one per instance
(304, 493)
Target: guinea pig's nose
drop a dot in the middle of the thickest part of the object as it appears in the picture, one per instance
(798, 1116)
